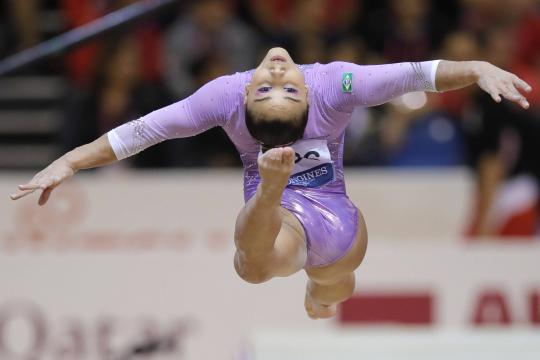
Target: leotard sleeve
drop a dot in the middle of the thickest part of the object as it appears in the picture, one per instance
(208, 107)
(347, 85)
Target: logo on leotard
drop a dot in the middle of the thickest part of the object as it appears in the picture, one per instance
(310, 155)
(313, 166)
(313, 177)
(346, 82)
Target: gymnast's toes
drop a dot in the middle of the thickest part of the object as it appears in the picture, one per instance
(319, 311)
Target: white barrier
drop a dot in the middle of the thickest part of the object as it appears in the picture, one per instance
(113, 259)
(395, 344)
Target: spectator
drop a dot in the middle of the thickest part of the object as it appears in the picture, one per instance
(26, 18)
(208, 30)
(408, 37)
(503, 145)
(119, 93)
(81, 63)
(19, 25)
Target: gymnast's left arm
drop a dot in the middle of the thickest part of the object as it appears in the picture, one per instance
(347, 85)
(497, 82)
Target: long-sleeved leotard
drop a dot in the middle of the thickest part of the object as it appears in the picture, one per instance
(316, 190)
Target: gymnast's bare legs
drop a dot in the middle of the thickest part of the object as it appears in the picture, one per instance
(271, 242)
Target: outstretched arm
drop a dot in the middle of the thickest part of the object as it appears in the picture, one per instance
(348, 85)
(206, 108)
(498, 83)
(94, 154)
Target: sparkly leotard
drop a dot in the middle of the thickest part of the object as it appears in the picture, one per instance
(316, 191)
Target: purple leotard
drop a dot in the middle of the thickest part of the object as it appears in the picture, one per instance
(316, 191)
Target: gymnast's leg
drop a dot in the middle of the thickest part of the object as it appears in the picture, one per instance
(270, 241)
(330, 285)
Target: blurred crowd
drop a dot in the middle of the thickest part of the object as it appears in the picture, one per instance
(165, 58)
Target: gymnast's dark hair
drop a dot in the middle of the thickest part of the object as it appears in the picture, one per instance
(273, 132)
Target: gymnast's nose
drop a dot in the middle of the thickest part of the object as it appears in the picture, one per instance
(277, 71)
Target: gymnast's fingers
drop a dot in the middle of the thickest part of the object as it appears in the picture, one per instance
(21, 194)
(512, 94)
(521, 84)
(495, 94)
(32, 185)
(288, 155)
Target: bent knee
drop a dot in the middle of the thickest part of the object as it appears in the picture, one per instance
(332, 292)
(251, 272)
(349, 283)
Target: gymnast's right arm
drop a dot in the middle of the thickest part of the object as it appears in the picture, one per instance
(206, 108)
(94, 154)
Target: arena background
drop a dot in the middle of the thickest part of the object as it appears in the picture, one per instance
(134, 261)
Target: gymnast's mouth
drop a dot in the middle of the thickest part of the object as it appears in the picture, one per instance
(278, 58)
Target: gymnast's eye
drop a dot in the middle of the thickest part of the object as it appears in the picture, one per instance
(264, 89)
(291, 90)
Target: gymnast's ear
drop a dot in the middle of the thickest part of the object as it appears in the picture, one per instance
(307, 94)
(246, 91)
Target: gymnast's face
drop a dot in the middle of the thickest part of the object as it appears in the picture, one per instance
(277, 88)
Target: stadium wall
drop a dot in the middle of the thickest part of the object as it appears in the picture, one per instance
(118, 257)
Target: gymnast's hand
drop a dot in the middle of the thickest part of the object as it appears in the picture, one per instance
(493, 80)
(275, 166)
(498, 82)
(97, 153)
(46, 180)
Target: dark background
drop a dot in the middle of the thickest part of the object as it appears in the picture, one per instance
(69, 100)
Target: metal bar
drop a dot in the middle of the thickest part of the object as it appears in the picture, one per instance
(83, 34)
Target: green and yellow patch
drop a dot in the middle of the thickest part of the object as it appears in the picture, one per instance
(346, 83)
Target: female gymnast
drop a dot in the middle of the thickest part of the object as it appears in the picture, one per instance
(287, 122)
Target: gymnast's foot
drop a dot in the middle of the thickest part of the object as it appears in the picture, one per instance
(275, 168)
(319, 311)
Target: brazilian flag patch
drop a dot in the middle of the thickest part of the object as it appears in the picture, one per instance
(346, 83)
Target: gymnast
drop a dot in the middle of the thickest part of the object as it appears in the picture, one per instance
(287, 122)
